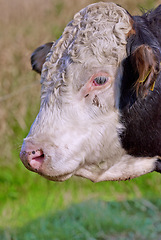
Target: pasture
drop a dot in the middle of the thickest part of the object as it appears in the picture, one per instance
(31, 207)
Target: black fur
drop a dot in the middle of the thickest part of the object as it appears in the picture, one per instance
(142, 121)
(158, 166)
(126, 93)
(141, 117)
(153, 19)
(147, 32)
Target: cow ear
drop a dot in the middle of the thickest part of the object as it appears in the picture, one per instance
(147, 66)
(39, 55)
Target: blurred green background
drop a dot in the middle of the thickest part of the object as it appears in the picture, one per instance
(32, 207)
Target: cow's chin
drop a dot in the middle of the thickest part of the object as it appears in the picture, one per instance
(57, 178)
(53, 174)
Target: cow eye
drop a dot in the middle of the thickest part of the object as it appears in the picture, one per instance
(100, 80)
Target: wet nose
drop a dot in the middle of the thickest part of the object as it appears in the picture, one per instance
(32, 159)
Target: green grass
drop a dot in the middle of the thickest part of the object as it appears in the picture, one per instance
(98, 220)
(31, 207)
(35, 208)
(139, 219)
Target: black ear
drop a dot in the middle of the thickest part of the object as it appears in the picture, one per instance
(136, 76)
(147, 65)
(39, 55)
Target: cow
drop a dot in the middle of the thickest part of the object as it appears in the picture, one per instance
(100, 105)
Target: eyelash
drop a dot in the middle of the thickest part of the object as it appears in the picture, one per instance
(100, 80)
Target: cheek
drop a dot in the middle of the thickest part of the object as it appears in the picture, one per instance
(73, 140)
(107, 97)
(100, 102)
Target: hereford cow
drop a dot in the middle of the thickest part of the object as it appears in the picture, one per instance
(100, 114)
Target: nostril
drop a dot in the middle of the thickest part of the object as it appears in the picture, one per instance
(37, 159)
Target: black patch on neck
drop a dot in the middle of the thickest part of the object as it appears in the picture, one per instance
(142, 121)
(158, 166)
(141, 117)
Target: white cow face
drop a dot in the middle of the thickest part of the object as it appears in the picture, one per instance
(76, 130)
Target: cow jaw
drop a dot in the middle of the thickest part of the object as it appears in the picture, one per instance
(125, 168)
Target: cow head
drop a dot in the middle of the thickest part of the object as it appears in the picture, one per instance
(77, 129)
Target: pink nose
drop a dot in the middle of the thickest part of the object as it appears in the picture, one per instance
(32, 159)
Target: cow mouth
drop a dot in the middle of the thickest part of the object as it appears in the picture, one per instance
(34, 161)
